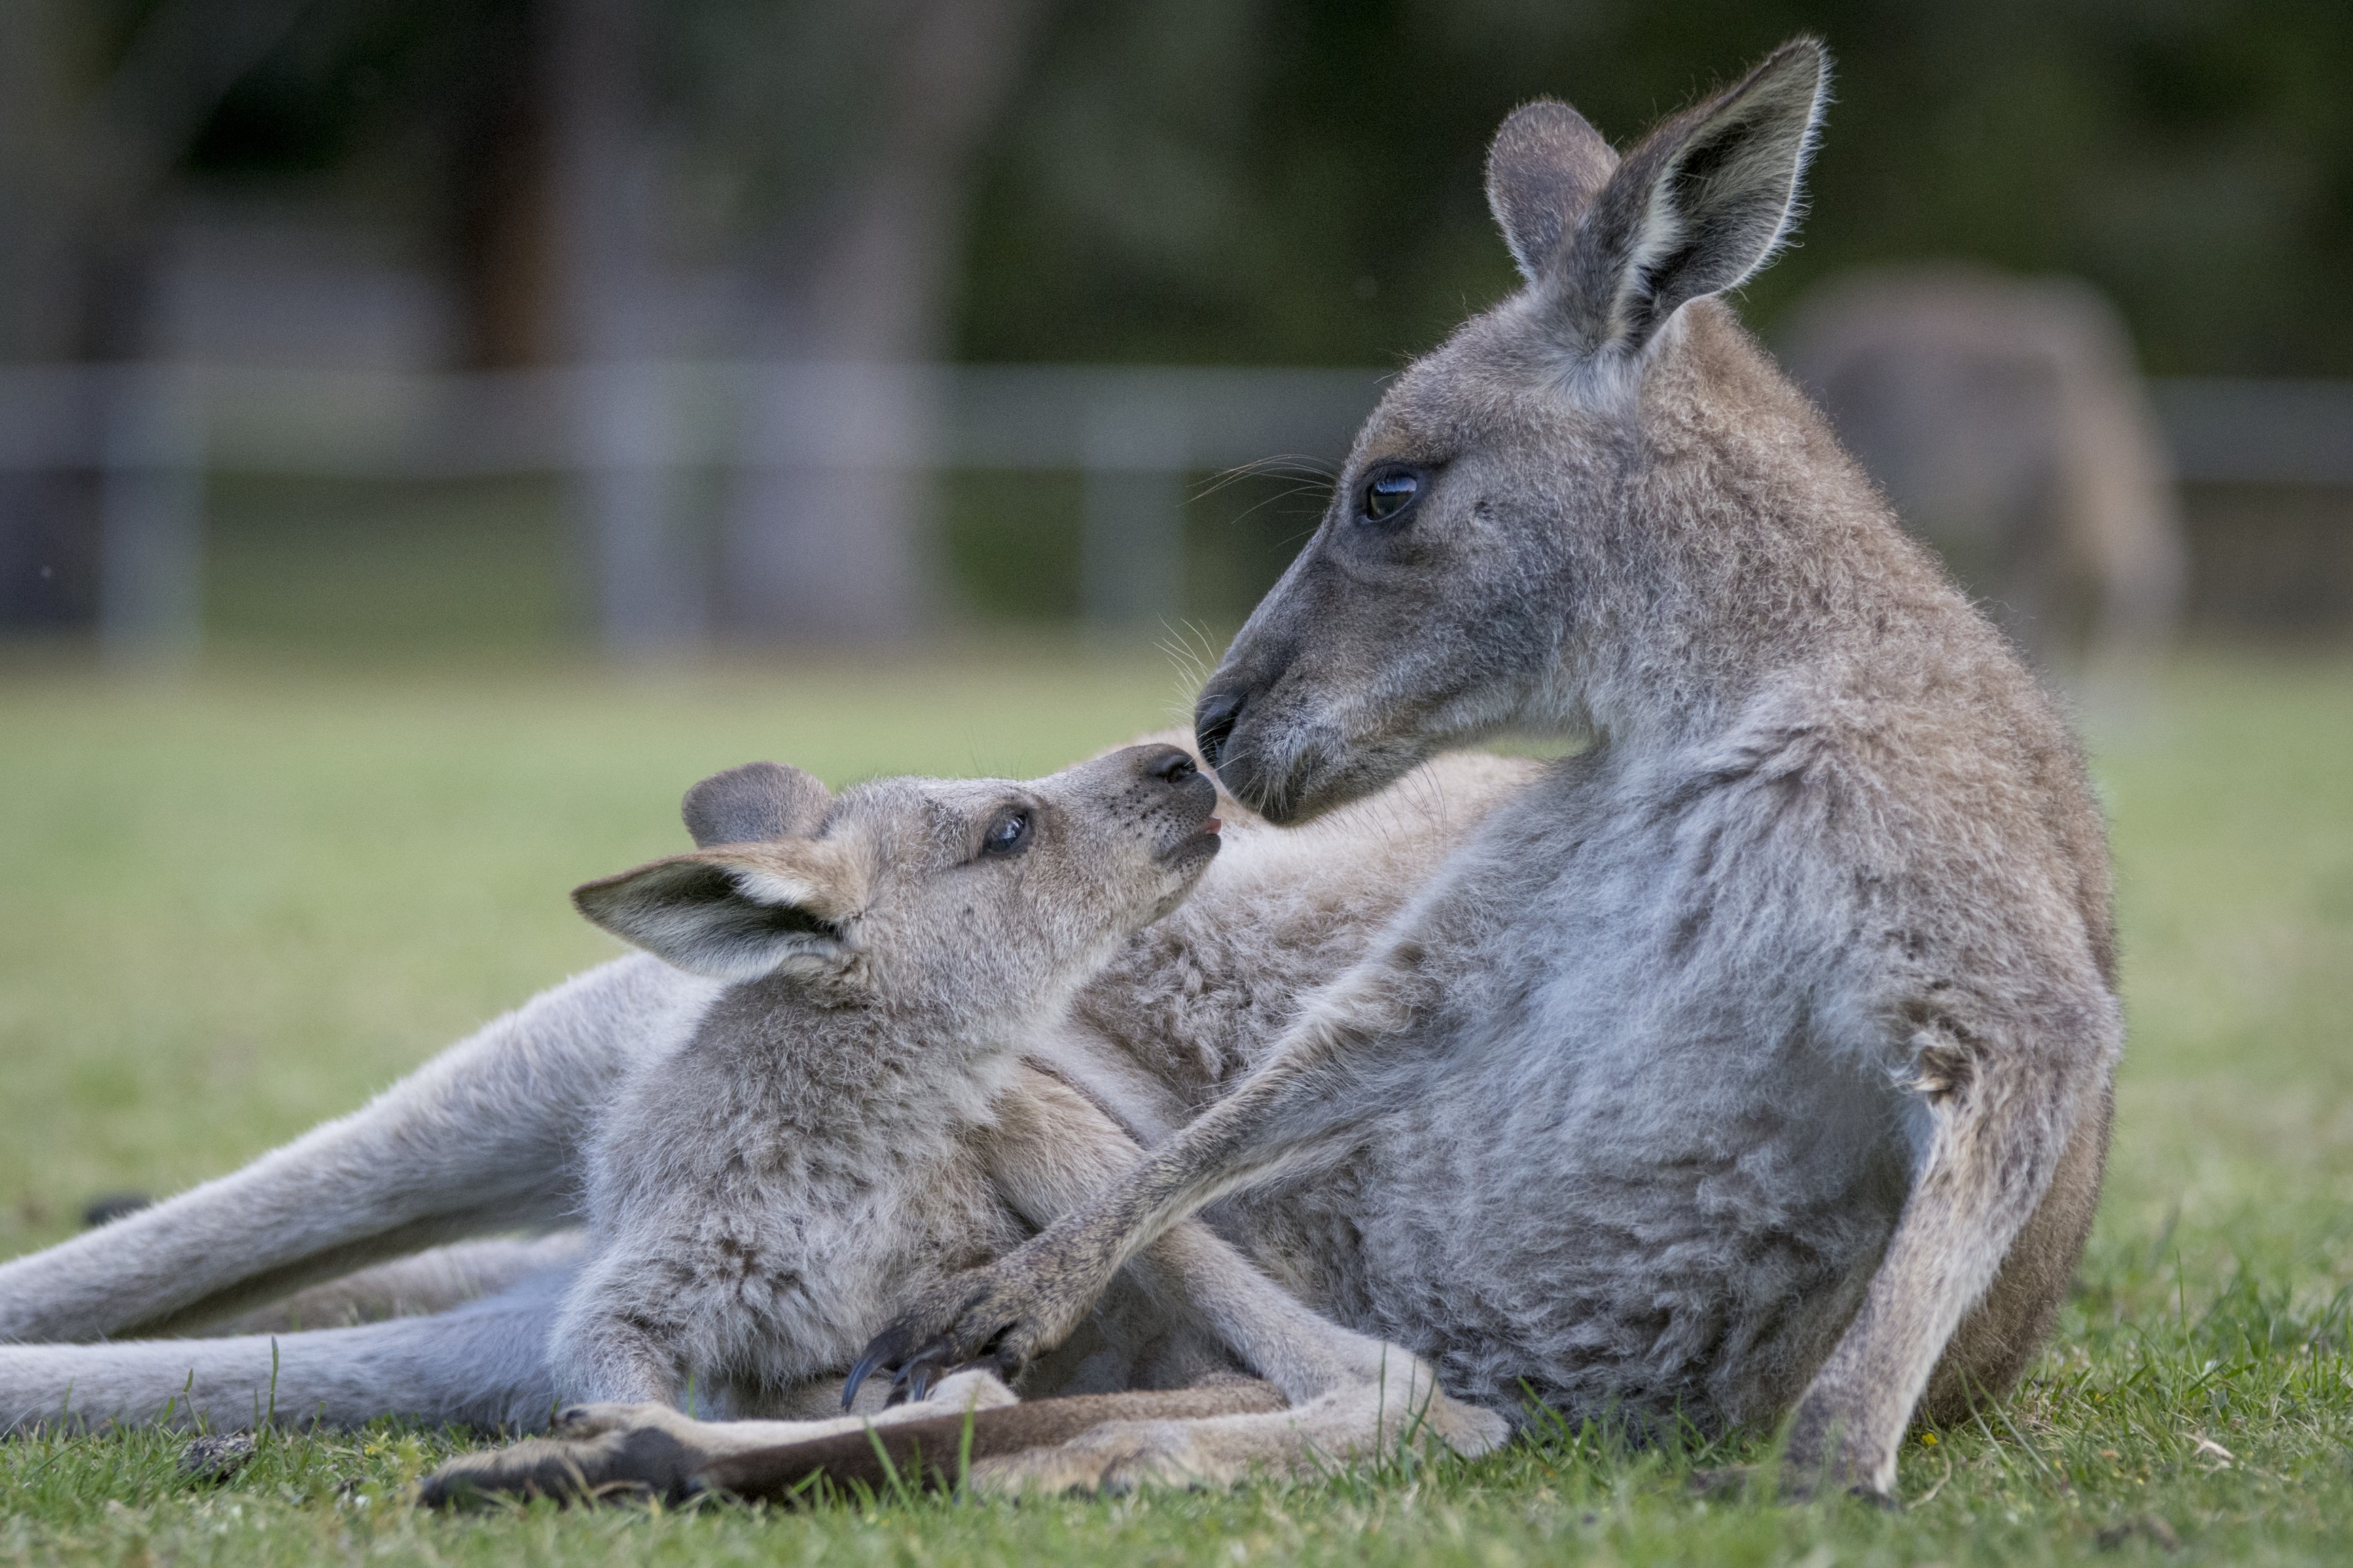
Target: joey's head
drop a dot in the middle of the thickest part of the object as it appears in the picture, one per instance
(1481, 542)
(975, 895)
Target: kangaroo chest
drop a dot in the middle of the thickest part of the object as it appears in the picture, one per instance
(1626, 1138)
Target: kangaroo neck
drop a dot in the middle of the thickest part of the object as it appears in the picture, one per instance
(1742, 550)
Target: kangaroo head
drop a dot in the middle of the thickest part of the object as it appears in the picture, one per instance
(1526, 496)
(978, 893)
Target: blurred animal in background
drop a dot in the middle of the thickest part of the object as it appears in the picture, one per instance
(2005, 419)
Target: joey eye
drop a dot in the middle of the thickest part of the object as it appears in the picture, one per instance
(1008, 835)
(1389, 492)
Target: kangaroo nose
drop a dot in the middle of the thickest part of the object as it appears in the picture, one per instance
(1170, 766)
(1213, 723)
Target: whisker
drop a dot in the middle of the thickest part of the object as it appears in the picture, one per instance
(1286, 466)
(1280, 496)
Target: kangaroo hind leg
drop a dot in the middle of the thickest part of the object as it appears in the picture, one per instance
(2003, 1118)
(483, 1366)
(477, 1141)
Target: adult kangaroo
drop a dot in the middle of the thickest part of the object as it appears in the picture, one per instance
(1756, 1061)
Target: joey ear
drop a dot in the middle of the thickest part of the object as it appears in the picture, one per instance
(736, 913)
(1698, 206)
(1543, 170)
(752, 804)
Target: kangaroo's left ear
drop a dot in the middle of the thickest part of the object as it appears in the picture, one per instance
(737, 912)
(1698, 206)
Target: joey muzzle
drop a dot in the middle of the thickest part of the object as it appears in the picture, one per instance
(1193, 800)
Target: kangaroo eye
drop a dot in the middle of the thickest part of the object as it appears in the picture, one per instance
(1390, 493)
(1008, 835)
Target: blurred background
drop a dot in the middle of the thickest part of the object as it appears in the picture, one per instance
(392, 326)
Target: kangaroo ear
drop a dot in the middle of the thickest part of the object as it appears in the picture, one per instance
(736, 913)
(752, 804)
(1698, 206)
(1543, 171)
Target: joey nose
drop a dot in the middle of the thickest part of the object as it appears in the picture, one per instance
(1213, 723)
(1169, 765)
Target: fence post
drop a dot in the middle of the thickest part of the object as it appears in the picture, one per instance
(649, 598)
(834, 468)
(1131, 546)
(150, 519)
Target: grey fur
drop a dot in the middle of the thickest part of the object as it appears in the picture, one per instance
(831, 1132)
(854, 1117)
(1754, 1062)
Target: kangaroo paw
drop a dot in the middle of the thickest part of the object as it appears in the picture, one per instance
(994, 1318)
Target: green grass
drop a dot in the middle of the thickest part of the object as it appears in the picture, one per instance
(232, 906)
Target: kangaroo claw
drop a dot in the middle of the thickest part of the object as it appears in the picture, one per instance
(981, 1319)
(868, 1364)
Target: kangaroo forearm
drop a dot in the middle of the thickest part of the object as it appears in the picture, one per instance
(1989, 1350)
(1281, 1119)
(1303, 1107)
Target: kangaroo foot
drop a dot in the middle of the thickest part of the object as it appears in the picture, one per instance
(1346, 1427)
(598, 1452)
(593, 1453)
